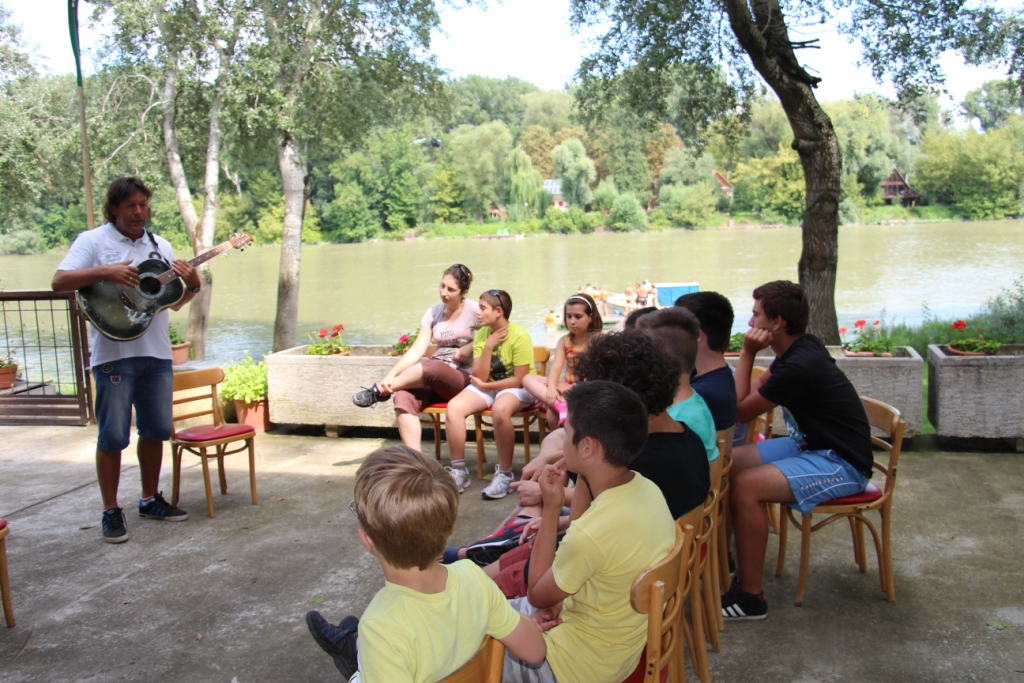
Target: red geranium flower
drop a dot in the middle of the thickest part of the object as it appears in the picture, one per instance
(842, 330)
(334, 334)
(877, 322)
(959, 325)
(322, 333)
(404, 338)
(860, 323)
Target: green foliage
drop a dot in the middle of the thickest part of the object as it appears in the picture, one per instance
(404, 343)
(550, 109)
(627, 214)
(326, 342)
(605, 195)
(445, 194)
(773, 186)
(1003, 315)
(869, 339)
(688, 206)
(475, 100)
(478, 155)
(981, 175)
(575, 170)
(658, 220)
(570, 221)
(735, 343)
(993, 103)
(172, 332)
(20, 242)
(523, 187)
(245, 380)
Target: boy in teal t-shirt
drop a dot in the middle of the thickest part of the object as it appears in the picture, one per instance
(502, 357)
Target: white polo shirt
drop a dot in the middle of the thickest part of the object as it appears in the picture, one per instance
(103, 246)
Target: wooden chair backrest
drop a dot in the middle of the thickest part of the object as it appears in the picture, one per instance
(888, 419)
(541, 355)
(207, 403)
(484, 667)
(724, 439)
(762, 423)
(657, 593)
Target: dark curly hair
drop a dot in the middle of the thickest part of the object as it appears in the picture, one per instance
(461, 274)
(634, 360)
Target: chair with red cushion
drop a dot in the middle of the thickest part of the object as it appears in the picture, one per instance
(658, 593)
(853, 508)
(5, 581)
(531, 414)
(195, 396)
(434, 413)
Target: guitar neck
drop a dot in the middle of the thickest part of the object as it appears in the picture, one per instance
(197, 261)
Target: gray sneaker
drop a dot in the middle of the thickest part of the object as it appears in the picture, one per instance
(461, 477)
(498, 488)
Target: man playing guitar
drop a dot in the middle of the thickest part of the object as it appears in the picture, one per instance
(128, 373)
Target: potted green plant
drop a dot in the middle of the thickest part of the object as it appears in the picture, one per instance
(972, 346)
(735, 344)
(870, 342)
(328, 342)
(404, 343)
(245, 383)
(8, 371)
(179, 347)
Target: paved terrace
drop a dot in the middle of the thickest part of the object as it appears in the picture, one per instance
(223, 599)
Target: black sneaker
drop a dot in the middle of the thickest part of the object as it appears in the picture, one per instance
(114, 529)
(340, 641)
(738, 605)
(488, 553)
(158, 508)
(367, 397)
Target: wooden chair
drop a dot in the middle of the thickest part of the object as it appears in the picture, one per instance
(533, 413)
(434, 412)
(484, 667)
(887, 419)
(693, 628)
(208, 440)
(763, 425)
(5, 580)
(658, 593)
(719, 547)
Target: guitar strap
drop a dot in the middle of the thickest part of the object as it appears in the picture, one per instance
(156, 249)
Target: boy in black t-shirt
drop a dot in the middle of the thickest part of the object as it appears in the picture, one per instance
(712, 376)
(828, 454)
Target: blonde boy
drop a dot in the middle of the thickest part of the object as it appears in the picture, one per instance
(428, 619)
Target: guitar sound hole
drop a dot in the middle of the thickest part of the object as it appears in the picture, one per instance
(149, 286)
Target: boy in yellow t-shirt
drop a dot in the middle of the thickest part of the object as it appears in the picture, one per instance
(502, 357)
(581, 593)
(429, 619)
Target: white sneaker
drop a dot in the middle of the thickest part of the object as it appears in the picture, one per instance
(461, 477)
(498, 488)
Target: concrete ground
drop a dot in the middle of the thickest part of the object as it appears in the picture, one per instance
(223, 599)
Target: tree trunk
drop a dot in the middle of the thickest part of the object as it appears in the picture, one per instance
(293, 172)
(199, 309)
(763, 35)
(177, 170)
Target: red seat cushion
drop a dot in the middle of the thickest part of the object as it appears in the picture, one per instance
(440, 406)
(3, 523)
(213, 432)
(638, 673)
(870, 494)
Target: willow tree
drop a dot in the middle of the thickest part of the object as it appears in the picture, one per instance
(523, 186)
(901, 40)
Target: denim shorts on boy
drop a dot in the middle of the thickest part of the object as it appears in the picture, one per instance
(144, 382)
(814, 476)
(524, 396)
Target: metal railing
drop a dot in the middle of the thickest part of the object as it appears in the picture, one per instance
(45, 334)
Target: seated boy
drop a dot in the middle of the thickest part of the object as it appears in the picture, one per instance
(428, 619)
(712, 376)
(502, 357)
(583, 589)
(676, 329)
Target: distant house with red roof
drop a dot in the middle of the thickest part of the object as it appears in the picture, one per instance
(723, 183)
(895, 188)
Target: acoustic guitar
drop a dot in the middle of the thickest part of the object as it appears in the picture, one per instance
(123, 313)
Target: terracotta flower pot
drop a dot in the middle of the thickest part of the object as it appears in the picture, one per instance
(256, 415)
(179, 353)
(8, 377)
(957, 352)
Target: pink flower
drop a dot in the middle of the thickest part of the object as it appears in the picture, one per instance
(404, 338)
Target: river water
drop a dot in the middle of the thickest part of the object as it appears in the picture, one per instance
(379, 290)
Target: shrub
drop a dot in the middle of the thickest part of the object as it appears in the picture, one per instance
(627, 214)
(245, 380)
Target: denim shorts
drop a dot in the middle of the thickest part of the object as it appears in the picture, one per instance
(143, 382)
(814, 476)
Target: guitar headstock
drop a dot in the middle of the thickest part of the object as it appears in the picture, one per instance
(240, 240)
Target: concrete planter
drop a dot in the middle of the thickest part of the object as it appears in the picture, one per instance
(896, 381)
(318, 389)
(977, 396)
